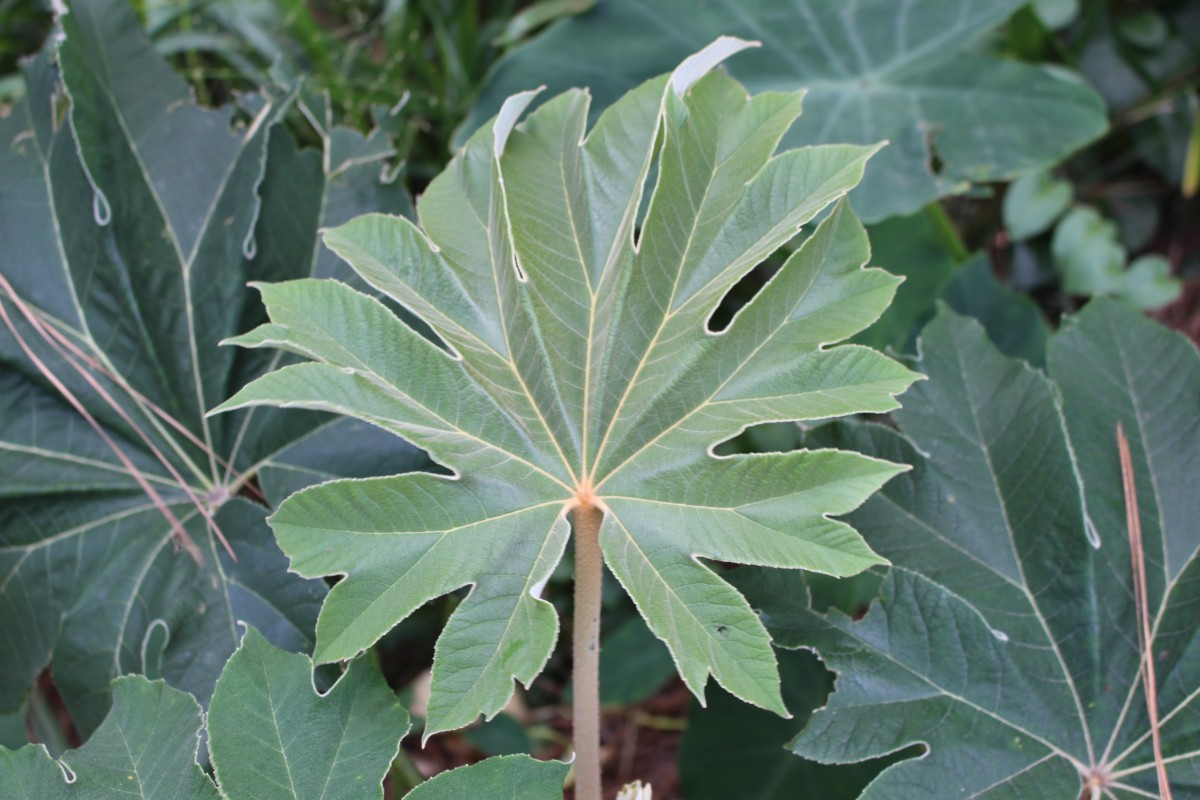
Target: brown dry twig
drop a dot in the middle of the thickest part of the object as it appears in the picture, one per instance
(1138, 561)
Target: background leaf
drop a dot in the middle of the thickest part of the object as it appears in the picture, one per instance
(128, 265)
(1014, 323)
(1006, 627)
(873, 73)
(502, 778)
(1033, 203)
(270, 735)
(911, 247)
(731, 749)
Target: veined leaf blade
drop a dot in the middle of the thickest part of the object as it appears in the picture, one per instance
(607, 387)
(1004, 639)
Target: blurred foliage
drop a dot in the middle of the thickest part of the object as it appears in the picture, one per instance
(426, 55)
(421, 60)
(24, 25)
(1112, 219)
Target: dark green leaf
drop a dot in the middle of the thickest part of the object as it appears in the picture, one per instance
(130, 230)
(273, 738)
(500, 778)
(908, 246)
(1013, 322)
(733, 750)
(874, 71)
(1004, 640)
(633, 664)
(500, 736)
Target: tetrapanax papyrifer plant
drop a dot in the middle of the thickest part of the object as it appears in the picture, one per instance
(133, 531)
(579, 386)
(1027, 556)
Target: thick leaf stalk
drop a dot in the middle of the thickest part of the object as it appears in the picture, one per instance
(589, 576)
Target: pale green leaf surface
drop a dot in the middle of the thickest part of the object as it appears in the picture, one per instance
(272, 737)
(1056, 14)
(128, 226)
(1033, 202)
(875, 70)
(1092, 260)
(579, 367)
(1149, 282)
(502, 778)
(1004, 640)
(1087, 252)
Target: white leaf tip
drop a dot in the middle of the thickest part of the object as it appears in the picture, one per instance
(697, 65)
(510, 112)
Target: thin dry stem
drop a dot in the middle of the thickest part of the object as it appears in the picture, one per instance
(65, 349)
(1138, 557)
(180, 532)
(139, 398)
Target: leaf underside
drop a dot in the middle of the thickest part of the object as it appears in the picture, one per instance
(578, 367)
(1005, 640)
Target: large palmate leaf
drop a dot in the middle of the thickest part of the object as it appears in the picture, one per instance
(271, 738)
(579, 371)
(126, 228)
(1006, 639)
(875, 70)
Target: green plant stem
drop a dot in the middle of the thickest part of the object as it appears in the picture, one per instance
(45, 724)
(1191, 163)
(405, 775)
(589, 573)
(659, 722)
(947, 231)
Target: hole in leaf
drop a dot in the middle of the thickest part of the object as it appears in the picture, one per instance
(742, 293)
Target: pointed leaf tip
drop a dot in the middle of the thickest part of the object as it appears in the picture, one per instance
(509, 114)
(699, 64)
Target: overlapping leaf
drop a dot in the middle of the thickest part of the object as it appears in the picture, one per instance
(876, 69)
(271, 738)
(731, 749)
(579, 368)
(1005, 641)
(504, 778)
(128, 229)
